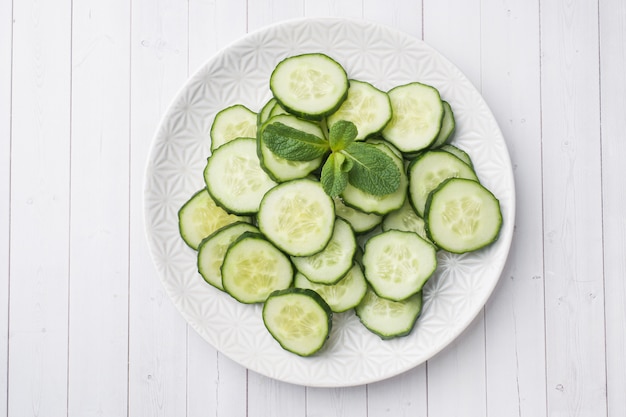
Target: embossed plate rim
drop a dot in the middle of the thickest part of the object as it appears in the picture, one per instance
(353, 356)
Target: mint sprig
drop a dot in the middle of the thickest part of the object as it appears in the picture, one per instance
(293, 144)
(341, 135)
(334, 176)
(363, 165)
(373, 171)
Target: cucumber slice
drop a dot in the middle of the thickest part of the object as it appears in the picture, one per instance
(280, 169)
(428, 170)
(366, 106)
(458, 152)
(406, 220)
(462, 216)
(378, 204)
(231, 123)
(389, 319)
(200, 216)
(264, 114)
(361, 222)
(253, 268)
(298, 217)
(448, 126)
(397, 264)
(334, 261)
(212, 250)
(380, 140)
(345, 294)
(234, 176)
(298, 319)
(309, 85)
(277, 110)
(417, 114)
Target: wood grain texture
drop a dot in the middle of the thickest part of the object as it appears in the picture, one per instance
(574, 284)
(38, 327)
(613, 124)
(402, 396)
(514, 316)
(335, 8)
(456, 376)
(213, 25)
(453, 28)
(336, 402)
(86, 328)
(406, 15)
(98, 343)
(267, 12)
(157, 332)
(6, 67)
(268, 397)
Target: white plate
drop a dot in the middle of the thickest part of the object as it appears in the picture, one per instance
(240, 74)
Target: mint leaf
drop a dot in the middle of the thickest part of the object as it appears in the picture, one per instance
(293, 144)
(341, 135)
(334, 176)
(373, 171)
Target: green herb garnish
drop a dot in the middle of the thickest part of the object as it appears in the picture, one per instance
(361, 164)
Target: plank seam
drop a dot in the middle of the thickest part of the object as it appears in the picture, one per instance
(9, 208)
(606, 353)
(129, 162)
(543, 231)
(69, 213)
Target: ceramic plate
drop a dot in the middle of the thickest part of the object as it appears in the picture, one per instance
(240, 74)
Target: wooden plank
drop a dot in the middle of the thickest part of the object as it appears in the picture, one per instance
(267, 12)
(215, 384)
(574, 285)
(456, 376)
(515, 323)
(337, 402)
(405, 15)
(453, 28)
(98, 343)
(406, 394)
(157, 332)
(38, 327)
(613, 108)
(346, 8)
(268, 397)
(403, 395)
(6, 67)
(212, 26)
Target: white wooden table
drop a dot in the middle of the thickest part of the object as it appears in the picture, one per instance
(85, 327)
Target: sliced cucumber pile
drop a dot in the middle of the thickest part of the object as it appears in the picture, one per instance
(334, 197)
(253, 268)
(201, 216)
(233, 122)
(462, 215)
(212, 250)
(310, 85)
(299, 319)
